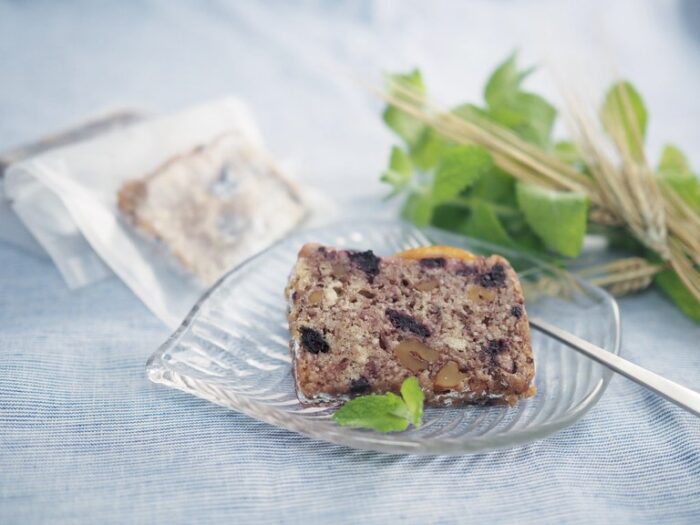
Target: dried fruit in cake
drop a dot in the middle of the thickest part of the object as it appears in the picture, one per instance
(362, 324)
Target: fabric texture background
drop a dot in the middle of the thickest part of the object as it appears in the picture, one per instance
(85, 438)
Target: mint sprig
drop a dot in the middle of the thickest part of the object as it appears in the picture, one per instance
(460, 188)
(387, 412)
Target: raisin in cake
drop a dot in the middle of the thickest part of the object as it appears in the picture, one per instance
(214, 206)
(362, 324)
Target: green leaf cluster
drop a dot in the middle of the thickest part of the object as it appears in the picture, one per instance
(460, 188)
(385, 413)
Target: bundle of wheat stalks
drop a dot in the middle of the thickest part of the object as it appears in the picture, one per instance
(621, 187)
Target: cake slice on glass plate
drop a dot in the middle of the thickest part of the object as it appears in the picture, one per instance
(362, 324)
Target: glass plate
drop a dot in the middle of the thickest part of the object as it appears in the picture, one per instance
(233, 350)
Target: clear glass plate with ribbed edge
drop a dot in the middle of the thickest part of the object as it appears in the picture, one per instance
(232, 349)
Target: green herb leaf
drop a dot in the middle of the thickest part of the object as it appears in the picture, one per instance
(428, 149)
(674, 170)
(471, 111)
(418, 208)
(459, 169)
(530, 116)
(504, 81)
(449, 216)
(413, 397)
(558, 218)
(408, 127)
(673, 160)
(567, 152)
(669, 282)
(386, 413)
(483, 223)
(523, 236)
(624, 113)
(497, 187)
(400, 171)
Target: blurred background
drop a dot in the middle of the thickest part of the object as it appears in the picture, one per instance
(304, 66)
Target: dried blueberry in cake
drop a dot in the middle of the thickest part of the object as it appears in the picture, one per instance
(313, 341)
(407, 323)
(366, 261)
(432, 262)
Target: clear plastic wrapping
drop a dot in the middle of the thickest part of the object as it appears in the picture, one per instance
(67, 198)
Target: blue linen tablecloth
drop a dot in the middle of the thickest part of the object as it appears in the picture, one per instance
(85, 438)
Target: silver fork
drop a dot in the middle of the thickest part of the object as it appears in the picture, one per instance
(682, 396)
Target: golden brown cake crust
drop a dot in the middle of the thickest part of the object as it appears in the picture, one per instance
(363, 324)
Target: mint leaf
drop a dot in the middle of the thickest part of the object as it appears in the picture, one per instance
(530, 116)
(624, 113)
(385, 413)
(406, 126)
(428, 149)
(418, 208)
(669, 282)
(504, 81)
(496, 186)
(413, 397)
(673, 159)
(471, 111)
(459, 169)
(540, 115)
(567, 152)
(483, 223)
(523, 236)
(399, 172)
(449, 216)
(674, 170)
(558, 218)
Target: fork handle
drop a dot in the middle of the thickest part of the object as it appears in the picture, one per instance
(682, 396)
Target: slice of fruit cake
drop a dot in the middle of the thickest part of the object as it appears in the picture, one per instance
(362, 324)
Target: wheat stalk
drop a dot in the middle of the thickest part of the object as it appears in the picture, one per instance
(622, 190)
(623, 276)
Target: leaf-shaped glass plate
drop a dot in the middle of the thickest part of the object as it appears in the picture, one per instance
(233, 350)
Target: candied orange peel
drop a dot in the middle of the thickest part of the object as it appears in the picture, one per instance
(429, 252)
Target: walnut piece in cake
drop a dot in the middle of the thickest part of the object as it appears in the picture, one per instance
(214, 206)
(362, 324)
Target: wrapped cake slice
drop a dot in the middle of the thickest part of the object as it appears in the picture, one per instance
(213, 207)
(362, 324)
